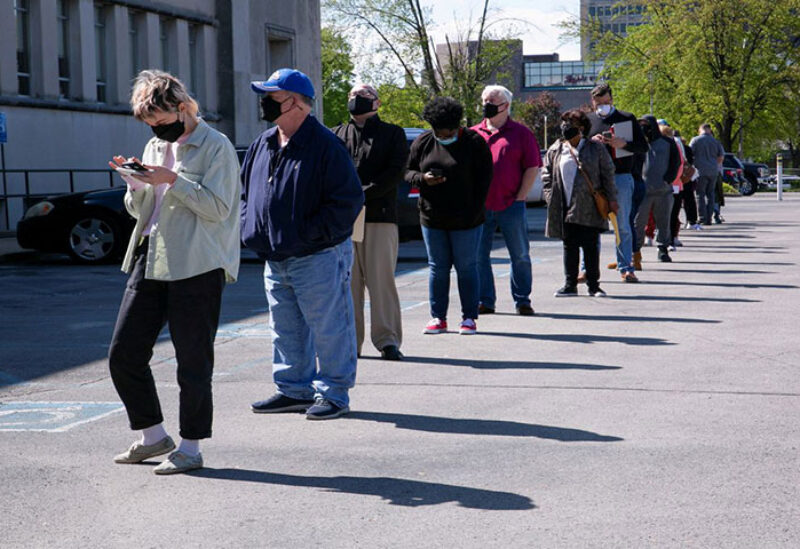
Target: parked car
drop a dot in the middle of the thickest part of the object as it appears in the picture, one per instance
(757, 174)
(733, 175)
(92, 227)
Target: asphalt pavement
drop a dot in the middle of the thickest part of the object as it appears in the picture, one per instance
(665, 415)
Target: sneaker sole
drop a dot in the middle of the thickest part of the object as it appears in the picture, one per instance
(140, 459)
(177, 470)
(292, 408)
(339, 413)
(566, 295)
(433, 332)
(467, 332)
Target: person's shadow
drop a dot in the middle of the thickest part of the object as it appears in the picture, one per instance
(397, 491)
(458, 426)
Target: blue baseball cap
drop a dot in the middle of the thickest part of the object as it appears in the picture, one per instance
(662, 122)
(290, 80)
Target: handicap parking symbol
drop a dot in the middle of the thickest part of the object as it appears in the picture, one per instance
(52, 417)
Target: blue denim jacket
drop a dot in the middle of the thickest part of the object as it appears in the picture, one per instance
(300, 199)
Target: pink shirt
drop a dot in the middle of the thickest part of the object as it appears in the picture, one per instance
(159, 190)
(514, 150)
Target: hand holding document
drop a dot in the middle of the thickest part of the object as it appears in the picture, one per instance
(613, 218)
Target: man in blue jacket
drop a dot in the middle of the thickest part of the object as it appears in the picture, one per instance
(300, 198)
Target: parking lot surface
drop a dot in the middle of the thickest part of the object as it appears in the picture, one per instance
(666, 415)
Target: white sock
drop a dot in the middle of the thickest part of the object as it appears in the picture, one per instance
(153, 434)
(189, 447)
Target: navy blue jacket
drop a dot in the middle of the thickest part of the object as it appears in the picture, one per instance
(300, 199)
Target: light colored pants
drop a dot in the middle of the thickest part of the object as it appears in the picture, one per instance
(661, 203)
(374, 263)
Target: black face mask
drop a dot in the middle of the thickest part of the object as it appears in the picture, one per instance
(490, 110)
(270, 109)
(169, 132)
(359, 105)
(568, 131)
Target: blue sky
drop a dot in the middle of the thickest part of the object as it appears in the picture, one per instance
(535, 20)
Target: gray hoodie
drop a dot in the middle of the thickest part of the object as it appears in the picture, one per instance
(662, 161)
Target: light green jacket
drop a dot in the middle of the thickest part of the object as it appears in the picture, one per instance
(198, 227)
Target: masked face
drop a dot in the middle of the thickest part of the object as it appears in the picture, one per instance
(604, 110)
(568, 131)
(169, 132)
(270, 108)
(359, 104)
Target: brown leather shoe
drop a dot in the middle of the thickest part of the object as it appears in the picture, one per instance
(629, 277)
(637, 260)
(612, 266)
(484, 310)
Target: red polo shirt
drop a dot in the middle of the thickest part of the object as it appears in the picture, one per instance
(514, 150)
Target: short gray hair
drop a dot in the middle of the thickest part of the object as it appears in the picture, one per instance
(493, 90)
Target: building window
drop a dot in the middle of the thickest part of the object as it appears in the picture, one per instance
(280, 48)
(133, 32)
(21, 13)
(166, 55)
(194, 66)
(62, 14)
(100, 51)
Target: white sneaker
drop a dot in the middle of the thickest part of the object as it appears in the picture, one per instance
(648, 241)
(688, 226)
(672, 248)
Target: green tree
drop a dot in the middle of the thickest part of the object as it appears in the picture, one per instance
(534, 111)
(727, 62)
(337, 76)
(399, 31)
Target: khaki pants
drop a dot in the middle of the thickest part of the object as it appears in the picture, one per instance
(374, 263)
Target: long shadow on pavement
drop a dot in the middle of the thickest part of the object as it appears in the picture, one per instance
(681, 298)
(397, 491)
(457, 426)
(572, 316)
(720, 284)
(505, 365)
(584, 338)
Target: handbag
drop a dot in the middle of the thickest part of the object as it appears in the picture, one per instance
(600, 199)
(688, 173)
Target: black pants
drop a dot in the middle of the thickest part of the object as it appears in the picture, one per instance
(191, 307)
(689, 202)
(575, 238)
(675, 216)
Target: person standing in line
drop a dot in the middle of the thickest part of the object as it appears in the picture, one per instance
(183, 249)
(659, 171)
(379, 152)
(301, 196)
(452, 167)
(708, 155)
(516, 157)
(619, 131)
(572, 213)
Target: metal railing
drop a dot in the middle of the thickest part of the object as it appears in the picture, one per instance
(68, 185)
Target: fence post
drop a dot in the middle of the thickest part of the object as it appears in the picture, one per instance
(779, 176)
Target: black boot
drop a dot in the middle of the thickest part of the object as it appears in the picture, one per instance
(663, 255)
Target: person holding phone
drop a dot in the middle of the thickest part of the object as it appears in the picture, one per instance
(184, 195)
(452, 167)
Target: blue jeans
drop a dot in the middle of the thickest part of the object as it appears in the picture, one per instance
(513, 224)
(624, 183)
(311, 317)
(446, 249)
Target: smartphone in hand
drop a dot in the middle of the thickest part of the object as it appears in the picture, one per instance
(132, 168)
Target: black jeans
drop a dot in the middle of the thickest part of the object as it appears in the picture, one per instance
(689, 202)
(191, 307)
(575, 238)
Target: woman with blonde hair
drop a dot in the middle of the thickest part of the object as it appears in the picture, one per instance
(184, 195)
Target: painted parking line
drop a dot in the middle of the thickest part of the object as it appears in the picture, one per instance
(53, 417)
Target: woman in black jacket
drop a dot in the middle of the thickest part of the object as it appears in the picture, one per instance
(452, 166)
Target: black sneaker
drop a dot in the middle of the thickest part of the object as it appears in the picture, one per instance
(278, 403)
(597, 292)
(663, 255)
(566, 291)
(325, 409)
(525, 310)
(391, 352)
(484, 310)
